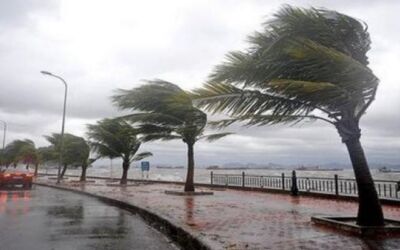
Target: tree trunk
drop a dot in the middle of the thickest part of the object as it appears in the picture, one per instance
(189, 185)
(63, 171)
(369, 208)
(36, 169)
(83, 173)
(125, 168)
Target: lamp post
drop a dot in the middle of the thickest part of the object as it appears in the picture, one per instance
(4, 133)
(4, 138)
(63, 121)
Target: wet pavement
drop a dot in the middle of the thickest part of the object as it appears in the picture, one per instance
(45, 218)
(232, 219)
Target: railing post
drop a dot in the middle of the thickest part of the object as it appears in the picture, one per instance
(336, 185)
(283, 181)
(293, 189)
(212, 177)
(243, 176)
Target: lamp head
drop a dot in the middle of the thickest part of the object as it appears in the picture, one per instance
(46, 73)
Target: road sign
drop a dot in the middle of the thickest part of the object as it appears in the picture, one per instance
(145, 166)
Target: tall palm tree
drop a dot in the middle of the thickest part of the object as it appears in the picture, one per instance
(304, 64)
(113, 138)
(166, 113)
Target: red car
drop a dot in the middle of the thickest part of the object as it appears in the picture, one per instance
(12, 177)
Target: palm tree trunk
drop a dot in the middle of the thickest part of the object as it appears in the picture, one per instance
(83, 173)
(63, 171)
(36, 169)
(189, 185)
(369, 208)
(125, 168)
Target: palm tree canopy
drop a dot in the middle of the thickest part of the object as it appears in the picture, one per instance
(47, 154)
(19, 150)
(75, 149)
(114, 138)
(164, 111)
(303, 60)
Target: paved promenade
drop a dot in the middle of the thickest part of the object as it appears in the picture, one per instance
(232, 219)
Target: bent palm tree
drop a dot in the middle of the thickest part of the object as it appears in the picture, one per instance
(75, 151)
(46, 154)
(21, 150)
(114, 138)
(28, 154)
(305, 64)
(167, 113)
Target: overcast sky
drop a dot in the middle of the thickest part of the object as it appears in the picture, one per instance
(98, 46)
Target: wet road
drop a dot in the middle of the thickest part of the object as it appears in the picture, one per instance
(44, 218)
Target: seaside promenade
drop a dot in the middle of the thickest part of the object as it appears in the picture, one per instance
(233, 219)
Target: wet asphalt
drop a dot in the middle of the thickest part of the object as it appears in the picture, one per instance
(45, 218)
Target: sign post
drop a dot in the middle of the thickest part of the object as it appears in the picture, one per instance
(145, 167)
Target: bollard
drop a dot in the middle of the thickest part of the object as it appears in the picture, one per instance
(336, 185)
(294, 190)
(212, 178)
(243, 176)
(283, 181)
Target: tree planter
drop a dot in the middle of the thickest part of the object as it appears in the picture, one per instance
(85, 181)
(348, 224)
(183, 193)
(122, 185)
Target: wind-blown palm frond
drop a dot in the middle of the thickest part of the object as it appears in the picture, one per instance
(224, 97)
(141, 156)
(304, 60)
(153, 118)
(166, 96)
(214, 137)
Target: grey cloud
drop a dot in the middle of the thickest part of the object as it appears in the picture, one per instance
(202, 33)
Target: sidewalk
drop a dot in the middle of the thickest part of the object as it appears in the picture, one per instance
(232, 219)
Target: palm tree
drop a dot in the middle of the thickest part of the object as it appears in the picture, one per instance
(75, 152)
(166, 113)
(46, 154)
(21, 150)
(305, 64)
(28, 154)
(113, 138)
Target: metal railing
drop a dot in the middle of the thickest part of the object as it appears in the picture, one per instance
(335, 186)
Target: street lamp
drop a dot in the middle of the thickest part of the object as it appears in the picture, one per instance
(63, 121)
(4, 133)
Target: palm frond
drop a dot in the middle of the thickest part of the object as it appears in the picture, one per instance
(141, 156)
(221, 97)
(214, 137)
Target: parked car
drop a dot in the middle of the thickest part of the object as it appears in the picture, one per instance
(12, 177)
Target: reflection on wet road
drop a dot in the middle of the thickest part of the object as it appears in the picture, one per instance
(45, 218)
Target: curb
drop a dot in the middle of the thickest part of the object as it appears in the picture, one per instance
(183, 238)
